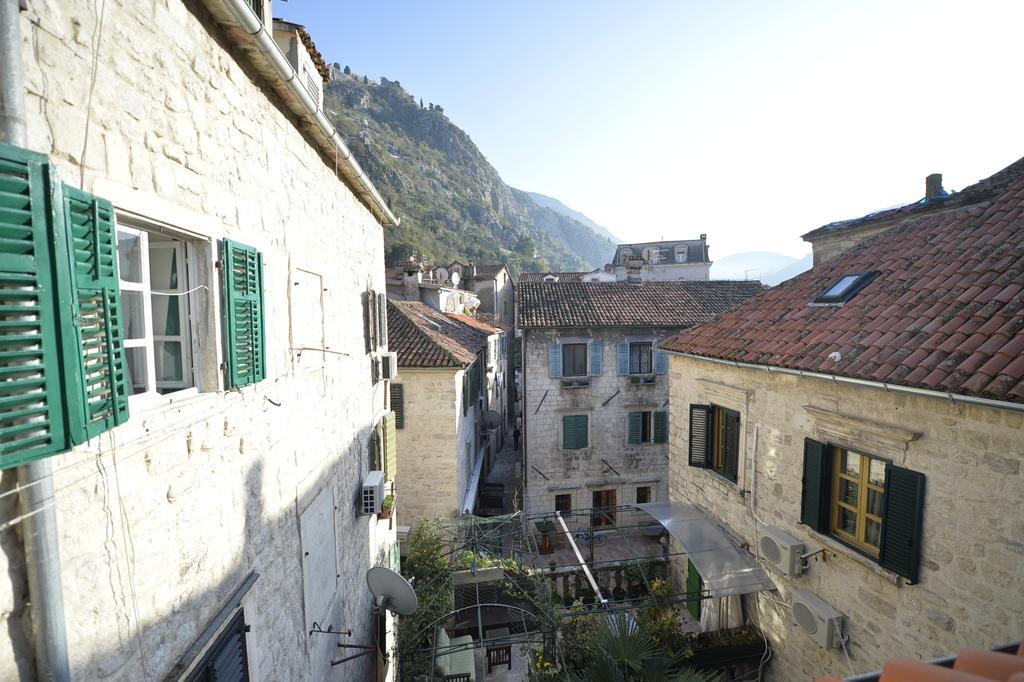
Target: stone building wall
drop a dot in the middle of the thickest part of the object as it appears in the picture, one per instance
(162, 517)
(580, 472)
(973, 550)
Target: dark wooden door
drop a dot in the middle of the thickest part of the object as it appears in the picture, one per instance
(604, 503)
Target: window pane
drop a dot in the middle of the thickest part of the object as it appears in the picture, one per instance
(851, 464)
(873, 533)
(574, 359)
(640, 358)
(134, 314)
(842, 285)
(166, 315)
(645, 427)
(168, 361)
(874, 502)
(848, 492)
(643, 494)
(135, 359)
(846, 521)
(129, 256)
(877, 472)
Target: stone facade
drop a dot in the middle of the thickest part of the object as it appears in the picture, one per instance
(161, 518)
(435, 445)
(606, 400)
(828, 245)
(972, 557)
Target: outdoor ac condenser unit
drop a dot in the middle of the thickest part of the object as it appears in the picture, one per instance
(781, 550)
(388, 366)
(824, 624)
(373, 492)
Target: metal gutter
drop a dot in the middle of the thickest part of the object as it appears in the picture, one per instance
(835, 378)
(35, 479)
(237, 13)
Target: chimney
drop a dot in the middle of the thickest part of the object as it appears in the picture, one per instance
(933, 187)
(634, 269)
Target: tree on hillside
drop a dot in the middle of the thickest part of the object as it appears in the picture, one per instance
(348, 71)
(421, 102)
(366, 81)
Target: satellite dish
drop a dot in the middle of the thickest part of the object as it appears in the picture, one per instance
(455, 278)
(391, 591)
(491, 419)
(442, 275)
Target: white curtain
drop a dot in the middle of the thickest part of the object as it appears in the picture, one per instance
(721, 613)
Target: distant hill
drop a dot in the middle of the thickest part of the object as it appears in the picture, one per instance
(452, 202)
(559, 207)
(788, 272)
(749, 265)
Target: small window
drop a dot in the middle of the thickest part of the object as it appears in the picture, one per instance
(857, 499)
(575, 434)
(563, 503)
(647, 427)
(574, 359)
(156, 299)
(640, 358)
(681, 254)
(715, 440)
(844, 289)
(643, 494)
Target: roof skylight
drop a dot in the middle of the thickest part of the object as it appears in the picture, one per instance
(845, 288)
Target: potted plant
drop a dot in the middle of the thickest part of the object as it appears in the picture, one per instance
(552, 565)
(386, 506)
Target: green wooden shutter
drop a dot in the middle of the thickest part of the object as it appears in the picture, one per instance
(398, 404)
(903, 522)
(376, 449)
(634, 427)
(568, 433)
(732, 444)
(390, 447)
(368, 324)
(582, 431)
(815, 500)
(32, 409)
(661, 427)
(382, 319)
(96, 378)
(244, 324)
(700, 435)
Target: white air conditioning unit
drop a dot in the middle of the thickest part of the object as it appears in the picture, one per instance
(781, 550)
(388, 365)
(824, 624)
(373, 492)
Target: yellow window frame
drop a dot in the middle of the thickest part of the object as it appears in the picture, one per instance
(860, 510)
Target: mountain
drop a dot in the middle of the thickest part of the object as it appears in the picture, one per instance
(558, 207)
(788, 272)
(749, 265)
(451, 201)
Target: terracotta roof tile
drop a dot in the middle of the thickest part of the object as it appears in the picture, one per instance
(621, 304)
(424, 337)
(945, 312)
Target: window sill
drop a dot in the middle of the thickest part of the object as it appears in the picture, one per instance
(575, 383)
(645, 379)
(838, 548)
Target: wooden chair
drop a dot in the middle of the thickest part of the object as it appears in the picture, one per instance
(499, 655)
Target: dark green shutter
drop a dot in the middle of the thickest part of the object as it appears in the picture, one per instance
(732, 444)
(700, 435)
(903, 522)
(92, 335)
(390, 447)
(815, 500)
(635, 427)
(398, 404)
(661, 427)
(32, 411)
(568, 433)
(382, 319)
(368, 323)
(244, 326)
(582, 431)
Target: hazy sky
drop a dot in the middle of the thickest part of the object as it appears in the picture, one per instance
(751, 121)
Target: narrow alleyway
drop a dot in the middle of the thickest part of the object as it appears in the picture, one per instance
(507, 471)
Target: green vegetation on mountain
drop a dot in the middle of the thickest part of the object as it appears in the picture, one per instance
(452, 202)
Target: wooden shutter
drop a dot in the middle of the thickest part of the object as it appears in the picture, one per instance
(700, 435)
(32, 409)
(582, 435)
(815, 499)
(596, 360)
(661, 427)
(903, 522)
(382, 319)
(568, 432)
(398, 404)
(465, 391)
(92, 335)
(244, 325)
(227, 659)
(376, 449)
(660, 362)
(622, 355)
(554, 360)
(390, 447)
(634, 427)
(368, 323)
(732, 444)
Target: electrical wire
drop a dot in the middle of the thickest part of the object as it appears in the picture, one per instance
(184, 293)
(99, 10)
(843, 639)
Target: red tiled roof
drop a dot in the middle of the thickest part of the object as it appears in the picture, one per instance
(946, 311)
(424, 337)
(621, 304)
(562, 276)
(479, 325)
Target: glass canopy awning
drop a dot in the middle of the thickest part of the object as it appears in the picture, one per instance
(726, 569)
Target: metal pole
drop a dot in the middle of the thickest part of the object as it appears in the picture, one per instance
(35, 480)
